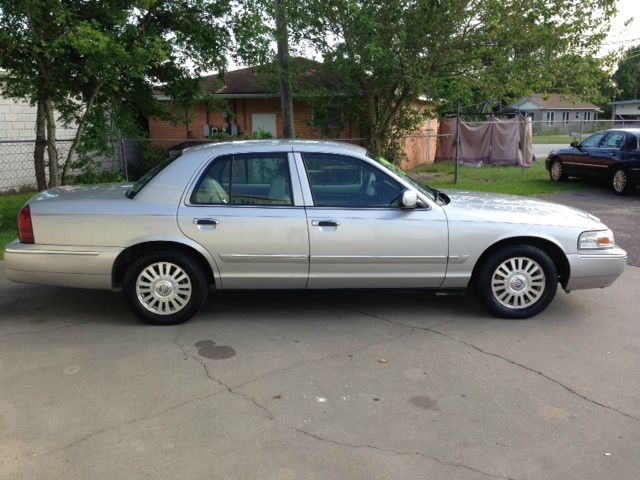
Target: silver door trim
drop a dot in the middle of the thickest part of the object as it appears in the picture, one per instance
(260, 258)
(586, 164)
(328, 259)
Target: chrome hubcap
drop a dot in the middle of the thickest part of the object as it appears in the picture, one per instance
(619, 181)
(556, 170)
(163, 288)
(518, 282)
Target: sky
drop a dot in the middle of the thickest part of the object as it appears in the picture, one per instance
(619, 35)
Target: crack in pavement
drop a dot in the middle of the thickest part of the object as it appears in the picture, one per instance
(501, 357)
(398, 452)
(317, 360)
(44, 330)
(120, 425)
(230, 389)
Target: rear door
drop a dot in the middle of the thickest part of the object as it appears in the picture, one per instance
(246, 210)
(360, 236)
(608, 154)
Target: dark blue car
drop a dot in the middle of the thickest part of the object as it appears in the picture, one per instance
(609, 155)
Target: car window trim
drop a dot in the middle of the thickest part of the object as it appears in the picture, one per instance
(299, 154)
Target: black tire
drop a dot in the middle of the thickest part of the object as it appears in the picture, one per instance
(167, 291)
(534, 296)
(620, 182)
(556, 171)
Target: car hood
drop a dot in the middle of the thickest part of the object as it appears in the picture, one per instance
(492, 207)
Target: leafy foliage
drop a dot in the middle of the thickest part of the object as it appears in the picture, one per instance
(384, 56)
(97, 62)
(627, 76)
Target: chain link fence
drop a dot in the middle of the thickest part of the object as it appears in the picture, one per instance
(131, 158)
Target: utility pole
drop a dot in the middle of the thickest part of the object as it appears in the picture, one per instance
(286, 99)
(457, 171)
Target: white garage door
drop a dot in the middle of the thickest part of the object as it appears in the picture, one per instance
(265, 122)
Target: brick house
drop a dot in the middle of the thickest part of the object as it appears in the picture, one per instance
(252, 104)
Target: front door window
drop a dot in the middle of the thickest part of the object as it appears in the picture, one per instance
(342, 181)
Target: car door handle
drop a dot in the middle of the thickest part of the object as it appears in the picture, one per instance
(612, 154)
(325, 223)
(206, 221)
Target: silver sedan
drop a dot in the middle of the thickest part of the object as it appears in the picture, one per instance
(303, 215)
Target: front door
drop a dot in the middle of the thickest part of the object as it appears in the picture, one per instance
(578, 161)
(247, 213)
(360, 236)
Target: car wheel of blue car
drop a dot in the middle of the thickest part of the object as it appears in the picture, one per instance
(556, 171)
(620, 181)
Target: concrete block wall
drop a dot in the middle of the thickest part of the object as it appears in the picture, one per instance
(18, 124)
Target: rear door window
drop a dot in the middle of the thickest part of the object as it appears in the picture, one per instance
(247, 179)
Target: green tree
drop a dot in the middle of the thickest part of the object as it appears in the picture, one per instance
(385, 55)
(91, 59)
(627, 76)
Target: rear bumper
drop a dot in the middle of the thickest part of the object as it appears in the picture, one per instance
(596, 270)
(66, 266)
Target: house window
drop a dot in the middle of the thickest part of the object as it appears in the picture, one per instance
(587, 116)
(327, 117)
(565, 118)
(551, 117)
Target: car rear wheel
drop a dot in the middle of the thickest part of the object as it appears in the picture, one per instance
(620, 182)
(556, 171)
(165, 288)
(518, 281)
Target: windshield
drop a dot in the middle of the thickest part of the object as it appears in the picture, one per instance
(428, 191)
(146, 178)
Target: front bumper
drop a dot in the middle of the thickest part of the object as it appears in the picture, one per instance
(65, 266)
(595, 270)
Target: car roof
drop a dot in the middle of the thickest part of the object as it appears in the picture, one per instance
(293, 145)
(635, 131)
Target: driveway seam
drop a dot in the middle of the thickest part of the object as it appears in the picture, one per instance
(506, 359)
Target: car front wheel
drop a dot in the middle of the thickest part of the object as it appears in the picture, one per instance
(556, 171)
(518, 281)
(620, 182)
(165, 288)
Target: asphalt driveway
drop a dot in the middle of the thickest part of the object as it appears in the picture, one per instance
(318, 386)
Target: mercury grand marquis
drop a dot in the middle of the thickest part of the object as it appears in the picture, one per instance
(303, 215)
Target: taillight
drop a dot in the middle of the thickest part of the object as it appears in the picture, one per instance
(25, 227)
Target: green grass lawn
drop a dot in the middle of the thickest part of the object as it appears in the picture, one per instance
(503, 179)
(563, 139)
(9, 207)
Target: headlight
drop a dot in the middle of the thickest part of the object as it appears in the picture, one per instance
(596, 240)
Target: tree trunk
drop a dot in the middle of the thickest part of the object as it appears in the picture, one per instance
(54, 179)
(286, 99)
(41, 143)
(372, 127)
(78, 135)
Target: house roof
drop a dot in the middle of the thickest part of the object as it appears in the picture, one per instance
(251, 82)
(556, 101)
(625, 102)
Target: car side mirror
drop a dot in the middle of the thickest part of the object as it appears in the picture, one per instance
(575, 144)
(409, 199)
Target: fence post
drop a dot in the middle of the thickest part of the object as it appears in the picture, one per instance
(124, 160)
(457, 142)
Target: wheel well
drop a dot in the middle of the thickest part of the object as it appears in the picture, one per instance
(130, 254)
(554, 251)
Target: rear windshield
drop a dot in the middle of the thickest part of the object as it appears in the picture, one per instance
(147, 177)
